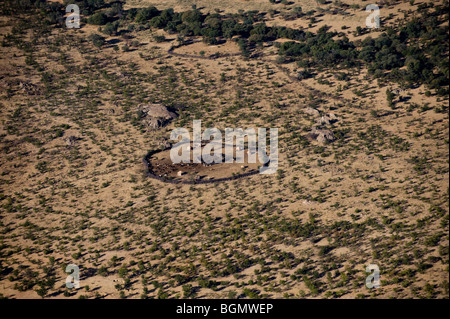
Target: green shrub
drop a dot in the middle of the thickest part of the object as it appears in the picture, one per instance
(97, 19)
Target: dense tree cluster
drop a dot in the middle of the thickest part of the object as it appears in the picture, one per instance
(322, 49)
(416, 53)
(413, 54)
(87, 7)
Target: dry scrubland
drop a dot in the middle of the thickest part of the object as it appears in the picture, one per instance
(377, 194)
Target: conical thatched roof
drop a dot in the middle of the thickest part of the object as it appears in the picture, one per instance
(312, 111)
(156, 110)
(321, 135)
(156, 115)
(326, 119)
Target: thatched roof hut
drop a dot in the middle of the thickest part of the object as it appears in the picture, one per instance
(321, 135)
(156, 115)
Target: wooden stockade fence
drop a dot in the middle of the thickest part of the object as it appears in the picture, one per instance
(150, 174)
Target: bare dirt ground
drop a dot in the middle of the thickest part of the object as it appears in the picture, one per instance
(161, 165)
